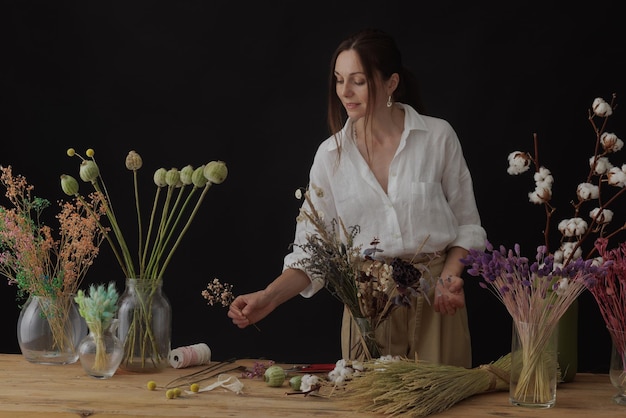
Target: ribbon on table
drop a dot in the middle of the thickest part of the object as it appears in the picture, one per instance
(223, 380)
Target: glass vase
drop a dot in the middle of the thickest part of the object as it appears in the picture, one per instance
(145, 326)
(101, 352)
(365, 346)
(533, 365)
(617, 368)
(49, 330)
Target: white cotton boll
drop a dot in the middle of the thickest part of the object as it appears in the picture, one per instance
(605, 216)
(558, 258)
(519, 162)
(566, 250)
(308, 382)
(358, 366)
(610, 142)
(616, 177)
(543, 176)
(341, 363)
(540, 195)
(572, 227)
(563, 286)
(602, 166)
(586, 191)
(601, 107)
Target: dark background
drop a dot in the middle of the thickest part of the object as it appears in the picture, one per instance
(187, 82)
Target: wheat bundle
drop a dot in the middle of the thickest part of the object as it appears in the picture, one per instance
(418, 388)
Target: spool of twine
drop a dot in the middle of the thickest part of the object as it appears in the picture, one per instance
(190, 355)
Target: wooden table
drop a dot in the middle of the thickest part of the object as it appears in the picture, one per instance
(32, 390)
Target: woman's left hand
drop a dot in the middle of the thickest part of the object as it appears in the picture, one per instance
(449, 295)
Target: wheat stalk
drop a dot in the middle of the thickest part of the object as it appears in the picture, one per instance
(414, 388)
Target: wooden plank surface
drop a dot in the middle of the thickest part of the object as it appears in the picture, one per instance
(31, 390)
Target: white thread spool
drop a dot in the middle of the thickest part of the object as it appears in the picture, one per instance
(190, 355)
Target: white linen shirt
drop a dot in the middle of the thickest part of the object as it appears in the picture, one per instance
(429, 201)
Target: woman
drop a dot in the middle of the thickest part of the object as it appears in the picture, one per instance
(402, 178)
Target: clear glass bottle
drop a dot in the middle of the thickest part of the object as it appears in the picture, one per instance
(101, 353)
(50, 329)
(145, 326)
(617, 368)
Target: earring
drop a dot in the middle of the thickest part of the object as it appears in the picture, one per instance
(389, 102)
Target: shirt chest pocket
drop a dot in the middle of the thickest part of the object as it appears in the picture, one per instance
(429, 209)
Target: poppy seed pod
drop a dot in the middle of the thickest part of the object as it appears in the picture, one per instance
(89, 170)
(172, 177)
(216, 172)
(198, 178)
(274, 376)
(69, 185)
(159, 177)
(186, 174)
(133, 161)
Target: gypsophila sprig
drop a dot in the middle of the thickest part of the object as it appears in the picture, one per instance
(217, 292)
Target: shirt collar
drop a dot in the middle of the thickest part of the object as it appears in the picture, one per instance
(412, 121)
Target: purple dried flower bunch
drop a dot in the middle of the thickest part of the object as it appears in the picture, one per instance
(533, 292)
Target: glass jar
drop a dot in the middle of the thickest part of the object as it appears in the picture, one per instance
(533, 365)
(617, 368)
(145, 326)
(49, 330)
(101, 352)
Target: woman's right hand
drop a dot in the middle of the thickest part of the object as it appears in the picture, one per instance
(250, 308)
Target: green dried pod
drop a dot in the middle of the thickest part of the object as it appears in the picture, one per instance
(216, 172)
(295, 382)
(69, 185)
(89, 170)
(274, 376)
(172, 177)
(198, 178)
(133, 161)
(186, 175)
(159, 177)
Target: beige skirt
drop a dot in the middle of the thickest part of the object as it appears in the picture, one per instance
(417, 331)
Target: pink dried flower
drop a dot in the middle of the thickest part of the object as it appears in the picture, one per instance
(217, 292)
(30, 257)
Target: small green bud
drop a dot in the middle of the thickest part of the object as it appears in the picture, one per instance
(133, 161)
(186, 175)
(295, 382)
(274, 376)
(172, 177)
(159, 177)
(69, 185)
(216, 172)
(89, 170)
